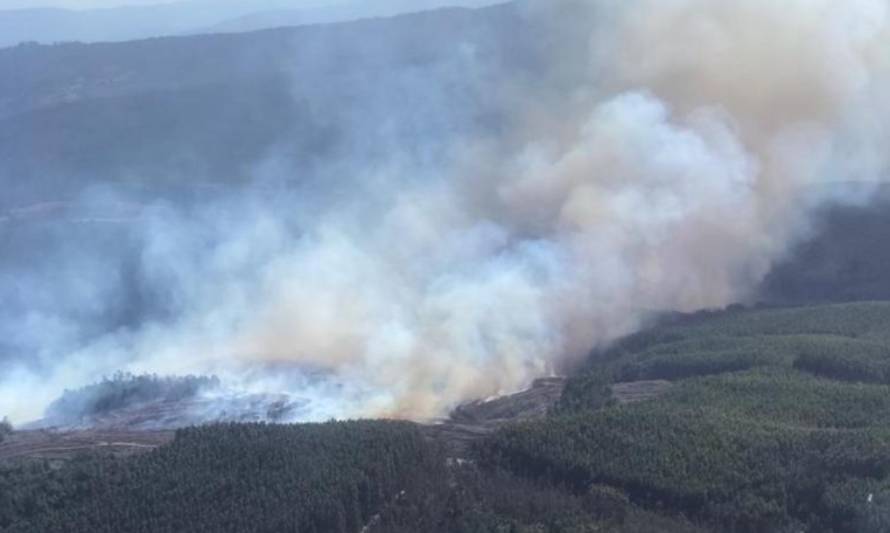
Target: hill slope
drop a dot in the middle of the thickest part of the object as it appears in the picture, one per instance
(777, 418)
(213, 108)
(764, 420)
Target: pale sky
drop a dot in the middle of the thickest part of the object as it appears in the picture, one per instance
(91, 4)
(72, 4)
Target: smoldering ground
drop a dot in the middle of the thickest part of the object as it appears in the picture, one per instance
(484, 216)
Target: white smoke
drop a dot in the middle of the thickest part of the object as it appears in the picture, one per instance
(670, 177)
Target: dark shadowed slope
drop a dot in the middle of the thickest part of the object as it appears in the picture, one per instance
(213, 108)
(845, 259)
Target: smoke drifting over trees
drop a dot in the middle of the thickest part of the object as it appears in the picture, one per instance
(478, 221)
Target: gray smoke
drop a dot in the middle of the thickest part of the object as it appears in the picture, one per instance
(662, 154)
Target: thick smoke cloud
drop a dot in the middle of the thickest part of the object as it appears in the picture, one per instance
(663, 156)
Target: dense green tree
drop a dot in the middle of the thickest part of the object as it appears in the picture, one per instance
(251, 477)
(778, 419)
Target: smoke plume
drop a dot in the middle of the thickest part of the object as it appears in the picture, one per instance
(656, 155)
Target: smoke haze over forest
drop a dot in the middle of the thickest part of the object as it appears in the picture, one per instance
(437, 213)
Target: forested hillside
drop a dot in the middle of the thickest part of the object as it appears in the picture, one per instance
(331, 477)
(337, 477)
(774, 420)
(777, 420)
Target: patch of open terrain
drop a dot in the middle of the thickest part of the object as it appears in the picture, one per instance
(141, 428)
(53, 444)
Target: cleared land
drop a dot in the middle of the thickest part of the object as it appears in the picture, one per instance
(50, 444)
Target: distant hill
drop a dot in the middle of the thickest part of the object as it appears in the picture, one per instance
(211, 108)
(54, 25)
(340, 11)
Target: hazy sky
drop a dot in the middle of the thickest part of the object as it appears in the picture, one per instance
(90, 4)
